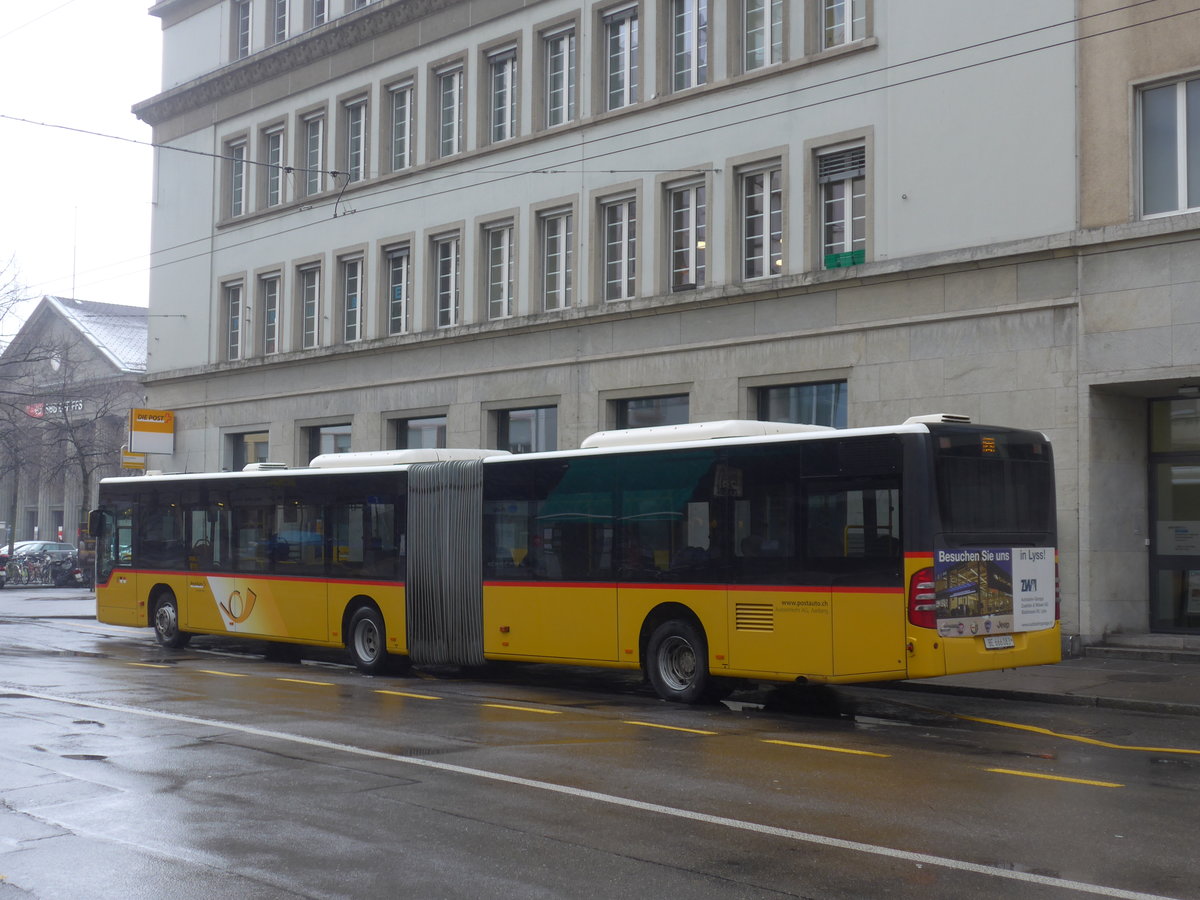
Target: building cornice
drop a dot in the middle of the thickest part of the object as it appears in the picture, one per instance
(343, 33)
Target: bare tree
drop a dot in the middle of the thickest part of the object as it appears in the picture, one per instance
(20, 458)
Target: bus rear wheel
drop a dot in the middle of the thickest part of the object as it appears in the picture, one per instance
(367, 640)
(677, 662)
(166, 622)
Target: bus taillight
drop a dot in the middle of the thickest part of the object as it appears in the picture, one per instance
(922, 600)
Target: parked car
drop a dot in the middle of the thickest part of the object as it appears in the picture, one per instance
(56, 549)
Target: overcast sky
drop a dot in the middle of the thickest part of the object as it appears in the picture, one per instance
(76, 208)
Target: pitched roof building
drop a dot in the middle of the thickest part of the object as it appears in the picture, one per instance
(69, 378)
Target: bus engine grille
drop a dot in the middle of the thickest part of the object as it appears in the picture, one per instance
(754, 617)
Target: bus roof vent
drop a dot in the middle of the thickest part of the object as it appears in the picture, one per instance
(696, 431)
(398, 457)
(938, 419)
(263, 466)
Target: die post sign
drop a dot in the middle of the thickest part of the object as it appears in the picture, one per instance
(151, 431)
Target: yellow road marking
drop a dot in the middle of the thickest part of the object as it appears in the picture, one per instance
(670, 727)
(302, 681)
(226, 674)
(149, 665)
(1107, 784)
(1074, 737)
(830, 749)
(544, 712)
(406, 694)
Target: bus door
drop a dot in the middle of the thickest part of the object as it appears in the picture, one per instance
(780, 614)
(547, 561)
(206, 554)
(852, 528)
(116, 587)
(280, 560)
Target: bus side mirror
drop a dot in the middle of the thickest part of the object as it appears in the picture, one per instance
(95, 523)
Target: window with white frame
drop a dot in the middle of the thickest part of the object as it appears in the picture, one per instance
(268, 291)
(450, 111)
(352, 300)
(402, 126)
(502, 93)
(557, 235)
(498, 245)
(689, 43)
(621, 58)
(399, 268)
(446, 274)
(233, 321)
(689, 246)
(314, 154)
(1170, 147)
(310, 307)
(279, 21)
(235, 154)
(356, 139)
(560, 77)
(762, 33)
(842, 182)
(762, 222)
(619, 221)
(842, 22)
(318, 11)
(241, 29)
(273, 153)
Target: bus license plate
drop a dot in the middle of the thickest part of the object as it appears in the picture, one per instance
(998, 641)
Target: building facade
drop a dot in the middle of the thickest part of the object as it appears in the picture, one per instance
(401, 223)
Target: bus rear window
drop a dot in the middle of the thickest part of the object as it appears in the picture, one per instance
(994, 483)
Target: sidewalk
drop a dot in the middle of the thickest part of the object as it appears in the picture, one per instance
(47, 602)
(1148, 672)
(1133, 681)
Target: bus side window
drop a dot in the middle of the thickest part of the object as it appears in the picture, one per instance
(766, 519)
(844, 523)
(668, 529)
(160, 536)
(254, 538)
(207, 535)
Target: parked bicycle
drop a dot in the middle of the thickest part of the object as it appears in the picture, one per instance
(44, 569)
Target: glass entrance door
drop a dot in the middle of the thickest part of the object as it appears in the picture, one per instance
(1175, 514)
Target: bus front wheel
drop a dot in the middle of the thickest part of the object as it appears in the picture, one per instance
(166, 623)
(677, 662)
(367, 640)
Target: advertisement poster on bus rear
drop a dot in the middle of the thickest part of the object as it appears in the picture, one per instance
(994, 590)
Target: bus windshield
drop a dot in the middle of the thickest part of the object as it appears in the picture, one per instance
(990, 482)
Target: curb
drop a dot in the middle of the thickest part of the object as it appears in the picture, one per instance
(1162, 707)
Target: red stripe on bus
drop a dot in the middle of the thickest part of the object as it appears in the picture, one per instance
(659, 586)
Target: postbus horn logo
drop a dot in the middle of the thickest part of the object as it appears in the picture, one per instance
(235, 609)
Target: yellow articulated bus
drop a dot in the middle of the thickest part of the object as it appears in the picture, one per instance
(706, 555)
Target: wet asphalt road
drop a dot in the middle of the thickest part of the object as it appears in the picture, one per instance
(130, 771)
